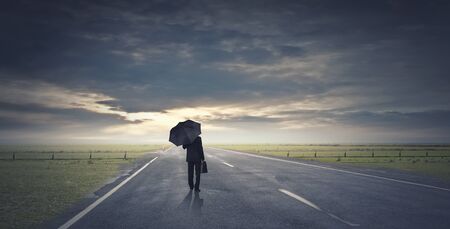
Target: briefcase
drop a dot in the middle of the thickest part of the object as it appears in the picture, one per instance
(204, 167)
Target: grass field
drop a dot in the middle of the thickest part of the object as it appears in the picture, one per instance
(32, 191)
(432, 160)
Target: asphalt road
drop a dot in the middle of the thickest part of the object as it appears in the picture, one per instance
(244, 191)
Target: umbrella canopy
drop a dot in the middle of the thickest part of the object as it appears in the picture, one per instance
(184, 132)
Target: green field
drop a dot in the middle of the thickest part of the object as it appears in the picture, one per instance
(32, 191)
(431, 160)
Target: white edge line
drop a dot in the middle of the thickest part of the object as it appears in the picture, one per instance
(343, 171)
(228, 164)
(311, 204)
(101, 199)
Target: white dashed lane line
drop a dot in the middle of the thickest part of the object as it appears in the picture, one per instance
(311, 204)
(340, 170)
(228, 164)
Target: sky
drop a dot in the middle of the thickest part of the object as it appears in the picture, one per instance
(300, 71)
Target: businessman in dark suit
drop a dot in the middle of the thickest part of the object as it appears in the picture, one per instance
(194, 158)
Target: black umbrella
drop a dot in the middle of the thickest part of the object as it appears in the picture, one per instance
(184, 132)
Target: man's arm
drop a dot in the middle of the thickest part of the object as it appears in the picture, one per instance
(202, 156)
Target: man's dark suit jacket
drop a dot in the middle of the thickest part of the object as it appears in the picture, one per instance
(194, 151)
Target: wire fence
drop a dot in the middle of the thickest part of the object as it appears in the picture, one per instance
(360, 154)
(70, 155)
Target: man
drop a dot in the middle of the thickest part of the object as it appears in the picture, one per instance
(194, 158)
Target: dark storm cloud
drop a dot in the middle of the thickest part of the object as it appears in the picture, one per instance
(372, 57)
(287, 50)
(29, 115)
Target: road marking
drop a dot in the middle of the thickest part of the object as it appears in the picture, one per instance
(311, 204)
(228, 164)
(343, 171)
(101, 199)
(344, 221)
(301, 199)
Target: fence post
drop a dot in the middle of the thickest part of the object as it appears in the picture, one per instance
(14, 156)
(426, 154)
(53, 156)
(125, 155)
(345, 154)
(373, 154)
(90, 155)
(287, 154)
(315, 153)
(400, 154)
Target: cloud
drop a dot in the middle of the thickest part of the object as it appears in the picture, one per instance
(328, 110)
(311, 67)
(291, 68)
(142, 53)
(53, 96)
